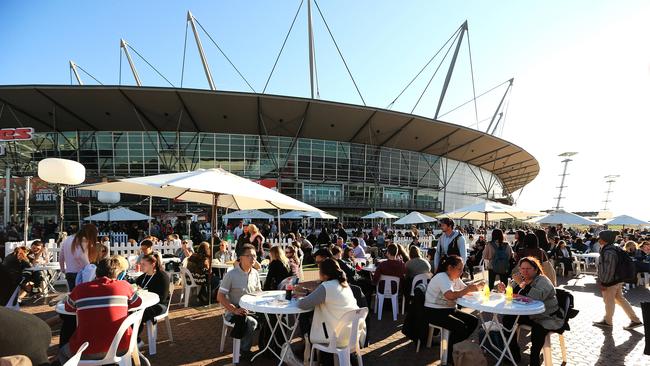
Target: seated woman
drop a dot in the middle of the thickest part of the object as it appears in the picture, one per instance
(154, 279)
(348, 257)
(440, 301)
(330, 300)
(532, 282)
(630, 248)
(37, 256)
(642, 257)
(415, 266)
(562, 254)
(294, 261)
(199, 265)
(15, 265)
(279, 269)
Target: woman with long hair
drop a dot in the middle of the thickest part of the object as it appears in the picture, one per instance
(440, 301)
(279, 269)
(199, 265)
(531, 282)
(497, 253)
(73, 256)
(542, 239)
(256, 239)
(330, 300)
(154, 279)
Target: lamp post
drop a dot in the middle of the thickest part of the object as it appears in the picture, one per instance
(62, 172)
(567, 156)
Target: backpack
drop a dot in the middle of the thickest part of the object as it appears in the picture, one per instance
(452, 248)
(500, 263)
(625, 271)
(562, 297)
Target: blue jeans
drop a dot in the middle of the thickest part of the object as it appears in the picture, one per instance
(247, 339)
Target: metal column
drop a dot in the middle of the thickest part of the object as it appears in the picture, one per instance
(310, 33)
(28, 181)
(204, 60)
(124, 46)
(7, 203)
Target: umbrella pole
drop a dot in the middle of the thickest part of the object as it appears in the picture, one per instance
(279, 225)
(150, 204)
(213, 233)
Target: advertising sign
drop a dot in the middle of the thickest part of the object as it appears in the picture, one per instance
(16, 134)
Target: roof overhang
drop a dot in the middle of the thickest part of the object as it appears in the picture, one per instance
(125, 108)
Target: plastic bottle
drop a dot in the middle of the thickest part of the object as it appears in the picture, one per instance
(509, 292)
(486, 292)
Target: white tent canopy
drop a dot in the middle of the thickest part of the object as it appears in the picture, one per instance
(626, 220)
(379, 215)
(297, 215)
(248, 214)
(490, 211)
(118, 214)
(562, 217)
(414, 218)
(202, 186)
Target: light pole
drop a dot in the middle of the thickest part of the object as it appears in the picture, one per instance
(567, 156)
(609, 179)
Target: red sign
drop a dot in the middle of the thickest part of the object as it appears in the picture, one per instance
(16, 134)
(268, 183)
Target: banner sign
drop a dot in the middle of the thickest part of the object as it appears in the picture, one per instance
(16, 134)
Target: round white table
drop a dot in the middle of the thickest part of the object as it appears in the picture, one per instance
(274, 303)
(495, 305)
(53, 270)
(148, 299)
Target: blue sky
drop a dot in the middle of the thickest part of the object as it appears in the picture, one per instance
(578, 65)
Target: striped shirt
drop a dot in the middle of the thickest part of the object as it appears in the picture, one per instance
(101, 306)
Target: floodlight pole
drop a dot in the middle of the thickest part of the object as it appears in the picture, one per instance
(73, 67)
(310, 33)
(123, 45)
(610, 179)
(450, 71)
(204, 60)
(7, 203)
(563, 175)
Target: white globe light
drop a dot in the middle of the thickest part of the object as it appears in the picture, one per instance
(108, 197)
(61, 171)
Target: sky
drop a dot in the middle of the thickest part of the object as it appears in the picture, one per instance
(581, 68)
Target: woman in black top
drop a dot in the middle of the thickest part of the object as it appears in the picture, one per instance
(153, 280)
(199, 265)
(279, 269)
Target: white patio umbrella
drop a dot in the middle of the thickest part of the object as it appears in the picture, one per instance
(626, 220)
(248, 214)
(215, 187)
(118, 214)
(490, 211)
(414, 218)
(562, 217)
(379, 215)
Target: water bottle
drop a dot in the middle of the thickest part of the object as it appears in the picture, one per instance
(486, 292)
(509, 292)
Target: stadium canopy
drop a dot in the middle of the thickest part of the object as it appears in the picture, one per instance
(157, 109)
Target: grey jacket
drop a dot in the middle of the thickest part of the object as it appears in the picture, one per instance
(543, 290)
(607, 265)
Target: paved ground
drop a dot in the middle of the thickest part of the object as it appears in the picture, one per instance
(197, 333)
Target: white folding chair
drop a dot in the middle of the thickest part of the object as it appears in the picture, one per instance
(152, 326)
(387, 293)
(74, 361)
(444, 342)
(112, 357)
(236, 343)
(421, 278)
(189, 285)
(547, 350)
(355, 319)
(13, 300)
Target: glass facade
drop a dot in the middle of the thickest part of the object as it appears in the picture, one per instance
(328, 174)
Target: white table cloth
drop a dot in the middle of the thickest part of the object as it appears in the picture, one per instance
(496, 305)
(273, 303)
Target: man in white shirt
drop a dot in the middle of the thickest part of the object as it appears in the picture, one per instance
(357, 250)
(238, 230)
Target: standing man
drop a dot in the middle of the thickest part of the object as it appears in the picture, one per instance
(238, 230)
(240, 281)
(610, 286)
(451, 242)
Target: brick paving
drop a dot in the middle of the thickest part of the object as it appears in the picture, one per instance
(197, 334)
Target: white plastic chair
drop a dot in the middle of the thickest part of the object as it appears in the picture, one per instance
(13, 300)
(236, 343)
(189, 285)
(355, 318)
(547, 350)
(74, 361)
(444, 342)
(423, 277)
(152, 328)
(387, 293)
(112, 357)
(132, 259)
